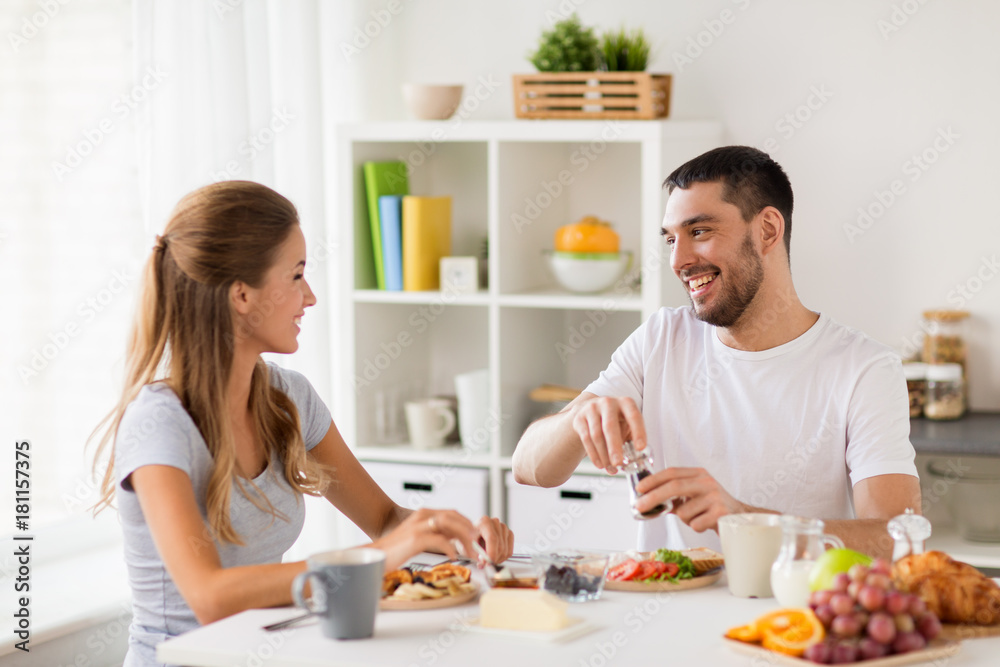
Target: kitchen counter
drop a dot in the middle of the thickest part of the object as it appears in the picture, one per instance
(976, 433)
(682, 628)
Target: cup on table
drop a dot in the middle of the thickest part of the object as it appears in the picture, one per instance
(750, 545)
(429, 422)
(346, 588)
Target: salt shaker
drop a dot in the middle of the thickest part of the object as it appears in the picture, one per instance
(909, 530)
(638, 465)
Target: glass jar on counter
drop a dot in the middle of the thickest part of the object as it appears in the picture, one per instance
(916, 386)
(945, 392)
(944, 341)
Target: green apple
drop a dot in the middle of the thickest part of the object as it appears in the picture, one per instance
(832, 563)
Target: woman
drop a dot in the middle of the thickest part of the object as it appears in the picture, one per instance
(213, 448)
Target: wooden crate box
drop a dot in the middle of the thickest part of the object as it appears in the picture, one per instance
(619, 95)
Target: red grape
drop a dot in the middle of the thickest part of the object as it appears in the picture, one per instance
(846, 625)
(882, 566)
(868, 649)
(854, 588)
(917, 605)
(904, 623)
(879, 580)
(819, 598)
(842, 603)
(882, 627)
(819, 653)
(858, 572)
(908, 641)
(871, 598)
(896, 602)
(843, 653)
(840, 582)
(825, 614)
(928, 625)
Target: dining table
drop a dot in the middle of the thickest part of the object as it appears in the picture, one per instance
(683, 627)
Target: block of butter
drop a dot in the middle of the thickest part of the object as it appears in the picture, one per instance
(522, 609)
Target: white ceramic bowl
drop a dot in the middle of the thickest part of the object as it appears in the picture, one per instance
(585, 275)
(431, 102)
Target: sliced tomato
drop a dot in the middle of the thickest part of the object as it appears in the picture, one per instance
(672, 569)
(624, 571)
(647, 569)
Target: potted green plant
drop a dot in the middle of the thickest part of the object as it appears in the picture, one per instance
(582, 76)
(623, 51)
(567, 47)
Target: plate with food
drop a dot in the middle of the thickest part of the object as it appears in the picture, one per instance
(965, 600)
(444, 585)
(663, 570)
(868, 615)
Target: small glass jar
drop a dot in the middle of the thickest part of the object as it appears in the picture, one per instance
(909, 531)
(916, 386)
(945, 392)
(944, 341)
(638, 465)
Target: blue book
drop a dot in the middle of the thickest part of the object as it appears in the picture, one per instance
(390, 209)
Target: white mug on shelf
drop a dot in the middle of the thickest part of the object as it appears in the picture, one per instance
(429, 422)
(473, 392)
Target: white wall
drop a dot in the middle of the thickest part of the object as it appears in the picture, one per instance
(890, 94)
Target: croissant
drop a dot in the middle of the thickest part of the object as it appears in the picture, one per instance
(956, 592)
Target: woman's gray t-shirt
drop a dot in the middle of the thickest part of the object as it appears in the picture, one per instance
(157, 430)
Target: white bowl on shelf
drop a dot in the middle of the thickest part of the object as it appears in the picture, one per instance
(588, 273)
(431, 102)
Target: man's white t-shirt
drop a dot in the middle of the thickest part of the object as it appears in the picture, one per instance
(791, 428)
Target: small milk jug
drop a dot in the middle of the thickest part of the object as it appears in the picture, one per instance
(802, 543)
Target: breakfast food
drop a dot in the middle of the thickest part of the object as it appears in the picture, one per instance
(565, 581)
(952, 590)
(664, 565)
(788, 631)
(440, 581)
(861, 617)
(512, 609)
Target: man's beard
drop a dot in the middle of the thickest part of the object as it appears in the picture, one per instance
(741, 284)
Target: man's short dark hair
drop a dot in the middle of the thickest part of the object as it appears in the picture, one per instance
(750, 179)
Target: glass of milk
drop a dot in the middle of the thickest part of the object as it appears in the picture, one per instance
(802, 543)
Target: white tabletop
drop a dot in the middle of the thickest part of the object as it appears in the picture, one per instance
(682, 628)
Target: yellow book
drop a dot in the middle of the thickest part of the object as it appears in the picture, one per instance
(426, 239)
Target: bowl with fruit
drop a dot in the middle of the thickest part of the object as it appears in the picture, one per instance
(576, 576)
(587, 258)
(861, 616)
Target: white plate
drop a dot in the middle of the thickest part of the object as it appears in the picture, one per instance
(579, 628)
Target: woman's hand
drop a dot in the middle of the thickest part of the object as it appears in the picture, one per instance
(429, 530)
(496, 538)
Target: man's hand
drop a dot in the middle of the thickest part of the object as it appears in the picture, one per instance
(702, 499)
(603, 423)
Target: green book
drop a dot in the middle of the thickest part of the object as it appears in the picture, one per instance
(382, 178)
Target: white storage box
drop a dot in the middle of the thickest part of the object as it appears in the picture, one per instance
(587, 512)
(435, 486)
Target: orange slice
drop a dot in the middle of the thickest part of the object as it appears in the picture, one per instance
(744, 633)
(790, 631)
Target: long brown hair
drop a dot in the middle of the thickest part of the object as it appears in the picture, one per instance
(184, 334)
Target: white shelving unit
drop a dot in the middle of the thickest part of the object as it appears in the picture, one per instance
(513, 183)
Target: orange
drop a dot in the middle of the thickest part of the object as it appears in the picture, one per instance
(790, 631)
(744, 633)
(589, 234)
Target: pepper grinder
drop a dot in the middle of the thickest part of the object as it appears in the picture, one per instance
(638, 465)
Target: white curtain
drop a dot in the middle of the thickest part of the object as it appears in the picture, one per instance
(252, 90)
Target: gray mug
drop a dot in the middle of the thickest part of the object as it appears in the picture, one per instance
(346, 588)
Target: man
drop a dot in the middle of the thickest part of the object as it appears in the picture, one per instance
(749, 400)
